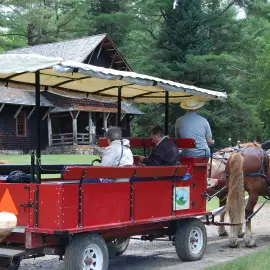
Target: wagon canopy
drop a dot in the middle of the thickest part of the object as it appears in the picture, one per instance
(86, 81)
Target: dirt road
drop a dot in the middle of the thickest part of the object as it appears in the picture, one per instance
(161, 254)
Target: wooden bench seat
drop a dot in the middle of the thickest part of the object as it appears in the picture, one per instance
(73, 173)
(146, 143)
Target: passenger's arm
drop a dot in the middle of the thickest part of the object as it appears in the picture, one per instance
(208, 134)
(155, 159)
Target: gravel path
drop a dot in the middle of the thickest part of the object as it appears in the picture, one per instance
(162, 255)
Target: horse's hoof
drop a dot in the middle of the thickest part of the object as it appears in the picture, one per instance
(241, 235)
(251, 244)
(223, 234)
(234, 244)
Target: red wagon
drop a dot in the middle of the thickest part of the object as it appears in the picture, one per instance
(89, 222)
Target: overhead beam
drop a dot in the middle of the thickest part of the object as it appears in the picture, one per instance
(162, 97)
(46, 114)
(74, 116)
(71, 80)
(108, 88)
(90, 58)
(100, 49)
(17, 112)
(122, 116)
(2, 106)
(29, 115)
(15, 75)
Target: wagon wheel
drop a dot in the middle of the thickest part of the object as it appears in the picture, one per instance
(118, 246)
(87, 252)
(190, 239)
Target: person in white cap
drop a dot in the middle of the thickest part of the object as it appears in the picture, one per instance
(192, 125)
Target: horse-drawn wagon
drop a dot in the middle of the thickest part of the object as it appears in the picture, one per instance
(86, 222)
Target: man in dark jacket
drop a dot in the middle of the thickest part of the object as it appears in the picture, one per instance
(165, 153)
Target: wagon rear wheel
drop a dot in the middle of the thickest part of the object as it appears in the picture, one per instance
(118, 246)
(87, 252)
(190, 239)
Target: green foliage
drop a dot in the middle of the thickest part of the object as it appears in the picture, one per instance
(201, 42)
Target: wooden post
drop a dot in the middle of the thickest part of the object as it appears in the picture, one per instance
(119, 106)
(166, 113)
(49, 121)
(105, 121)
(74, 125)
(74, 116)
(37, 113)
(90, 128)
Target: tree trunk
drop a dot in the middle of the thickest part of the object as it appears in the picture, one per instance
(30, 34)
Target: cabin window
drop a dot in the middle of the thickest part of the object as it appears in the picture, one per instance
(21, 124)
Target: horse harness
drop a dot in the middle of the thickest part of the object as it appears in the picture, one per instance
(263, 172)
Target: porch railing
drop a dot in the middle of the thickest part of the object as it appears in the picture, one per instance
(62, 139)
(83, 138)
(67, 139)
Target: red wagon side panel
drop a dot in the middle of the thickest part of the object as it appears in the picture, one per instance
(70, 208)
(50, 206)
(152, 199)
(106, 203)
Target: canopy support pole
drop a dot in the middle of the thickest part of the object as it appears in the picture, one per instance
(119, 107)
(166, 113)
(37, 82)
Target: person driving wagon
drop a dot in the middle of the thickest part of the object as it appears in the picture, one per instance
(165, 153)
(192, 125)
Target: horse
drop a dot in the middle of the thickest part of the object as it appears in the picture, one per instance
(218, 172)
(247, 170)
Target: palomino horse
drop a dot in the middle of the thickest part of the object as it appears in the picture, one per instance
(218, 172)
(247, 170)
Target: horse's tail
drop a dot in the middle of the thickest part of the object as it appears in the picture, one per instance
(236, 196)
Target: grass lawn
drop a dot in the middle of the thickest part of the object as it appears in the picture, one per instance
(214, 204)
(259, 261)
(50, 159)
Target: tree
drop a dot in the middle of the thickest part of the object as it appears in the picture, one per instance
(38, 21)
(200, 43)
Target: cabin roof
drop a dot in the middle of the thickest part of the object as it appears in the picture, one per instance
(20, 97)
(60, 103)
(80, 50)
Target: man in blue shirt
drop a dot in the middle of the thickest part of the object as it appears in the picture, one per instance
(192, 125)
